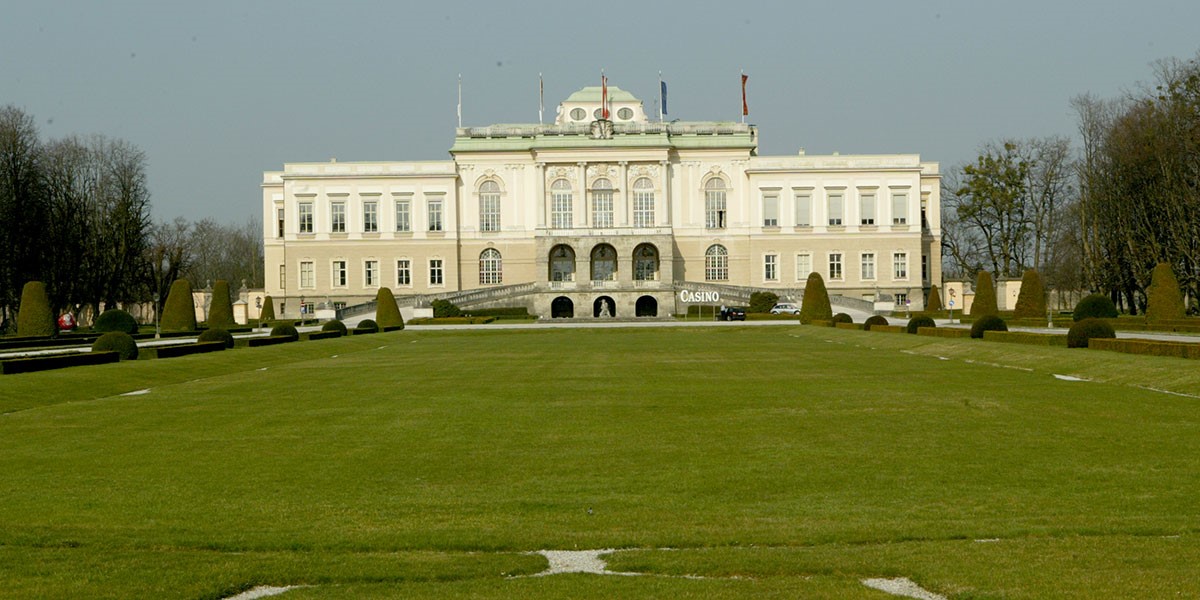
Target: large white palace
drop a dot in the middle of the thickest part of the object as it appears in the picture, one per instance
(591, 217)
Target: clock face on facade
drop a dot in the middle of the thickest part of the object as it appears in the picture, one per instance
(578, 114)
(625, 114)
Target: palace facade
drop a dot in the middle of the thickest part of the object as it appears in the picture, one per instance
(591, 217)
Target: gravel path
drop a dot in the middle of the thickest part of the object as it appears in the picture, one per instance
(902, 586)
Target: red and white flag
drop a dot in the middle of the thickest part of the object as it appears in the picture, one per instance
(745, 107)
(603, 95)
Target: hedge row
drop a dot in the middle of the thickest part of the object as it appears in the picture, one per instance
(1147, 347)
(946, 332)
(453, 321)
(58, 361)
(504, 311)
(322, 335)
(1024, 337)
(822, 323)
(858, 326)
(888, 328)
(183, 349)
(269, 341)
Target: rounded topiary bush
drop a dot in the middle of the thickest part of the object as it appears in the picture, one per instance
(918, 322)
(334, 325)
(367, 326)
(179, 314)
(1082, 331)
(217, 335)
(34, 316)
(387, 313)
(267, 313)
(815, 304)
(987, 323)
(285, 330)
(842, 318)
(115, 319)
(119, 342)
(220, 309)
(762, 302)
(1095, 306)
(874, 320)
(445, 308)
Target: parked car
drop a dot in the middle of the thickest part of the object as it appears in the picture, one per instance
(732, 313)
(785, 308)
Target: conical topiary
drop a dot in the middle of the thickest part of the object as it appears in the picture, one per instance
(815, 305)
(267, 314)
(179, 314)
(1163, 300)
(934, 303)
(1031, 303)
(387, 314)
(985, 296)
(220, 309)
(34, 316)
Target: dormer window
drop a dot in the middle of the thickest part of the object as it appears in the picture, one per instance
(625, 114)
(578, 114)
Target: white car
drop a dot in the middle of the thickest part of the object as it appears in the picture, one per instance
(785, 308)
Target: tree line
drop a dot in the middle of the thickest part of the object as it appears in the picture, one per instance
(76, 214)
(1097, 218)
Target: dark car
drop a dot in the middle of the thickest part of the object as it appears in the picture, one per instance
(732, 313)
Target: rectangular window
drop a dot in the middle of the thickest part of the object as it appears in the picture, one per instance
(371, 273)
(403, 214)
(866, 208)
(403, 272)
(282, 277)
(900, 266)
(924, 267)
(279, 222)
(435, 272)
(602, 209)
(835, 266)
(771, 267)
(868, 265)
(924, 217)
(902, 300)
(899, 208)
(643, 208)
(835, 208)
(339, 273)
(803, 208)
(370, 216)
(561, 212)
(803, 266)
(489, 212)
(771, 209)
(435, 214)
(307, 277)
(337, 217)
(305, 217)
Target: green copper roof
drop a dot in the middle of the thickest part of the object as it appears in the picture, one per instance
(592, 94)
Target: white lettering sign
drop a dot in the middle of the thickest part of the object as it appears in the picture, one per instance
(690, 297)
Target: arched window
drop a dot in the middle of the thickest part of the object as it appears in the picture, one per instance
(489, 206)
(491, 271)
(645, 263)
(716, 263)
(561, 211)
(643, 203)
(604, 263)
(602, 203)
(714, 203)
(562, 263)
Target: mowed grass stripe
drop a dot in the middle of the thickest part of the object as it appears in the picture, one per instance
(502, 441)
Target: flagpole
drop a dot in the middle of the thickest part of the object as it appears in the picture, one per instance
(660, 98)
(743, 78)
(541, 99)
(460, 100)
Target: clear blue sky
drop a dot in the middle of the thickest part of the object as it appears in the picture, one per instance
(216, 93)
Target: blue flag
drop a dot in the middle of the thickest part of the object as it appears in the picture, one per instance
(663, 85)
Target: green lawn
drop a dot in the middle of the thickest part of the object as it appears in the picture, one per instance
(779, 461)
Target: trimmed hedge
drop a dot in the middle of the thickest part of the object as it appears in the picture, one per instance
(762, 302)
(918, 322)
(874, 321)
(34, 317)
(115, 319)
(934, 302)
(13, 366)
(179, 314)
(217, 335)
(985, 296)
(1026, 337)
(815, 304)
(285, 330)
(445, 308)
(323, 334)
(842, 318)
(823, 323)
(945, 332)
(119, 342)
(1087, 329)
(186, 349)
(387, 314)
(269, 341)
(987, 323)
(1147, 347)
(220, 309)
(1095, 306)
(367, 326)
(504, 311)
(845, 325)
(888, 328)
(334, 325)
(1163, 300)
(267, 313)
(1031, 303)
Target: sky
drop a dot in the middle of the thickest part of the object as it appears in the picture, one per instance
(215, 93)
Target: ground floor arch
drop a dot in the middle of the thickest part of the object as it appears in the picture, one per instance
(647, 306)
(604, 306)
(562, 308)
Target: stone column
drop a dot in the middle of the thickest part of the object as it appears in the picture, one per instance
(577, 219)
(624, 194)
(540, 189)
(665, 219)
